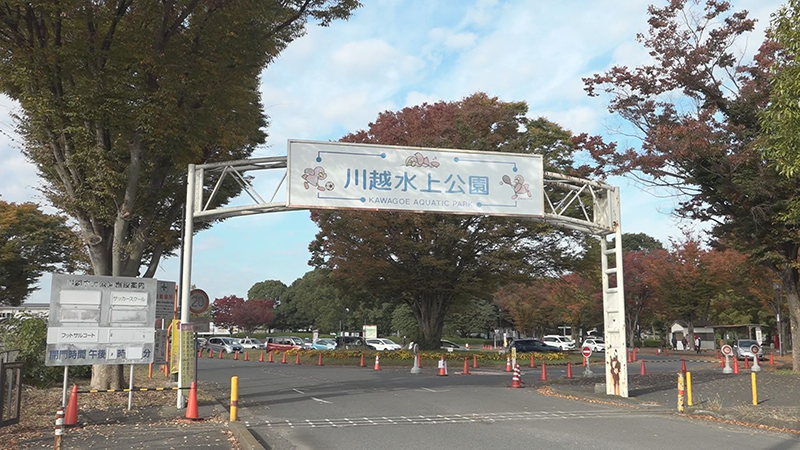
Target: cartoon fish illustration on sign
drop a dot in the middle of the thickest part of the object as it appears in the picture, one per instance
(314, 177)
(418, 160)
(519, 186)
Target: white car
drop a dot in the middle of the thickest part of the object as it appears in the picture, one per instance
(596, 345)
(380, 344)
(562, 342)
(250, 343)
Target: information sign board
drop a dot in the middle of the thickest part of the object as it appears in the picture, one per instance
(100, 320)
(378, 177)
(165, 300)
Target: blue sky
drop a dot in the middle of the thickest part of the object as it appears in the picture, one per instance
(398, 53)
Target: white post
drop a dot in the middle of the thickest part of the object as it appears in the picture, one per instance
(130, 390)
(186, 276)
(64, 393)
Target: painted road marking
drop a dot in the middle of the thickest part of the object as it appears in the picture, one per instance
(298, 391)
(320, 400)
(440, 419)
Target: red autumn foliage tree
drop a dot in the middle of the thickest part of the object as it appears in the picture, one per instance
(640, 288)
(223, 310)
(696, 109)
(253, 314)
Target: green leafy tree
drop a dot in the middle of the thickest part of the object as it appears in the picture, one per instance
(475, 316)
(271, 289)
(781, 119)
(634, 242)
(403, 320)
(31, 243)
(703, 143)
(118, 97)
(434, 261)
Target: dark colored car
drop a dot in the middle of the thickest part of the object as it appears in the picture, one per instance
(350, 343)
(532, 345)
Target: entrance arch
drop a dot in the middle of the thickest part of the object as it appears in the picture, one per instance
(334, 175)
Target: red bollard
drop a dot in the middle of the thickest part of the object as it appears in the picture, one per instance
(569, 370)
(642, 370)
(721, 361)
(544, 372)
(419, 361)
(683, 365)
(584, 361)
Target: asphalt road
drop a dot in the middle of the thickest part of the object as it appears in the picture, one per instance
(310, 407)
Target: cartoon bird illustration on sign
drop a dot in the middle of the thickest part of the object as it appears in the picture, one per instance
(314, 177)
(519, 186)
(418, 160)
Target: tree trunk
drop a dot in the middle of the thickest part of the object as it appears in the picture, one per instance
(789, 282)
(429, 309)
(690, 337)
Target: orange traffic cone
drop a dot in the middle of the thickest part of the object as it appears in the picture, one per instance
(246, 356)
(377, 362)
(634, 354)
(319, 363)
(515, 379)
(191, 406)
(533, 363)
(508, 363)
(297, 359)
(771, 361)
(569, 369)
(466, 367)
(642, 370)
(210, 353)
(736, 365)
(442, 367)
(284, 358)
(362, 361)
(270, 357)
(683, 365)
(261, 357)
(236, 355)
(746, 363)
(544, 372)
(220, 354)
(199, 354)
(475, 361)
(630, 358)
(71, 416)
(721, 360)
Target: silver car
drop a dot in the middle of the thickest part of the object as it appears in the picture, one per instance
(227, 345)
(742, 350)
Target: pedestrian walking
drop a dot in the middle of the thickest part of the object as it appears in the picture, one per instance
(674, 343)
(697, 343)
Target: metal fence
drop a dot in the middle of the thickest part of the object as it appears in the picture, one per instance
(10, 387)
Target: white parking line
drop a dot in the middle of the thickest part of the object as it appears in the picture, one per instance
(320, 400)
(298, 391)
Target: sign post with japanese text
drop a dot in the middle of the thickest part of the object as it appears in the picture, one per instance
(100, 320)
(361, 176)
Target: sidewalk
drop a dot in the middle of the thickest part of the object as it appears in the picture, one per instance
(148, 427)
(725, 396)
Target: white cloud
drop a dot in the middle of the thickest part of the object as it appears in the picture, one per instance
(373, 61)
(451, 39)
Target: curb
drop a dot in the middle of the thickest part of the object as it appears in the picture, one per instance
(244, 437)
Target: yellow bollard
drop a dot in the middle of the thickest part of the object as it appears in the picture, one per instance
(688, 388)
(680, 392)
(234, 399)
(755, 392)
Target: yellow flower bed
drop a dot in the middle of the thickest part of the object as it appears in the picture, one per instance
(405, 355)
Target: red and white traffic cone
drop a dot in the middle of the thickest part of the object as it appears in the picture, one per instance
(508, 363)
(270, 357)
(569, 369)
(466, 367)
(191, 405)
(642, 370)
(442, 367)
(284, 358)
(533, 362)
(544, 372)
(475, 360)
(297, 359)
(319, 363)
(71, 416)
(377, 362)
(516, 382)
(261, 357)
(362, 361)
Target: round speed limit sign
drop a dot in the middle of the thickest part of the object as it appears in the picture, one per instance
(198, 301)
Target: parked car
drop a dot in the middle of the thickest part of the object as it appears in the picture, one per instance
(283, 343)
(381, 344)
(741, 349)
(451, 346)
(251, 343)
(531, 345)
(201, 342)
(350, 343)
(324, 344)
(597, 345)
(562, 342)
(226, 344)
